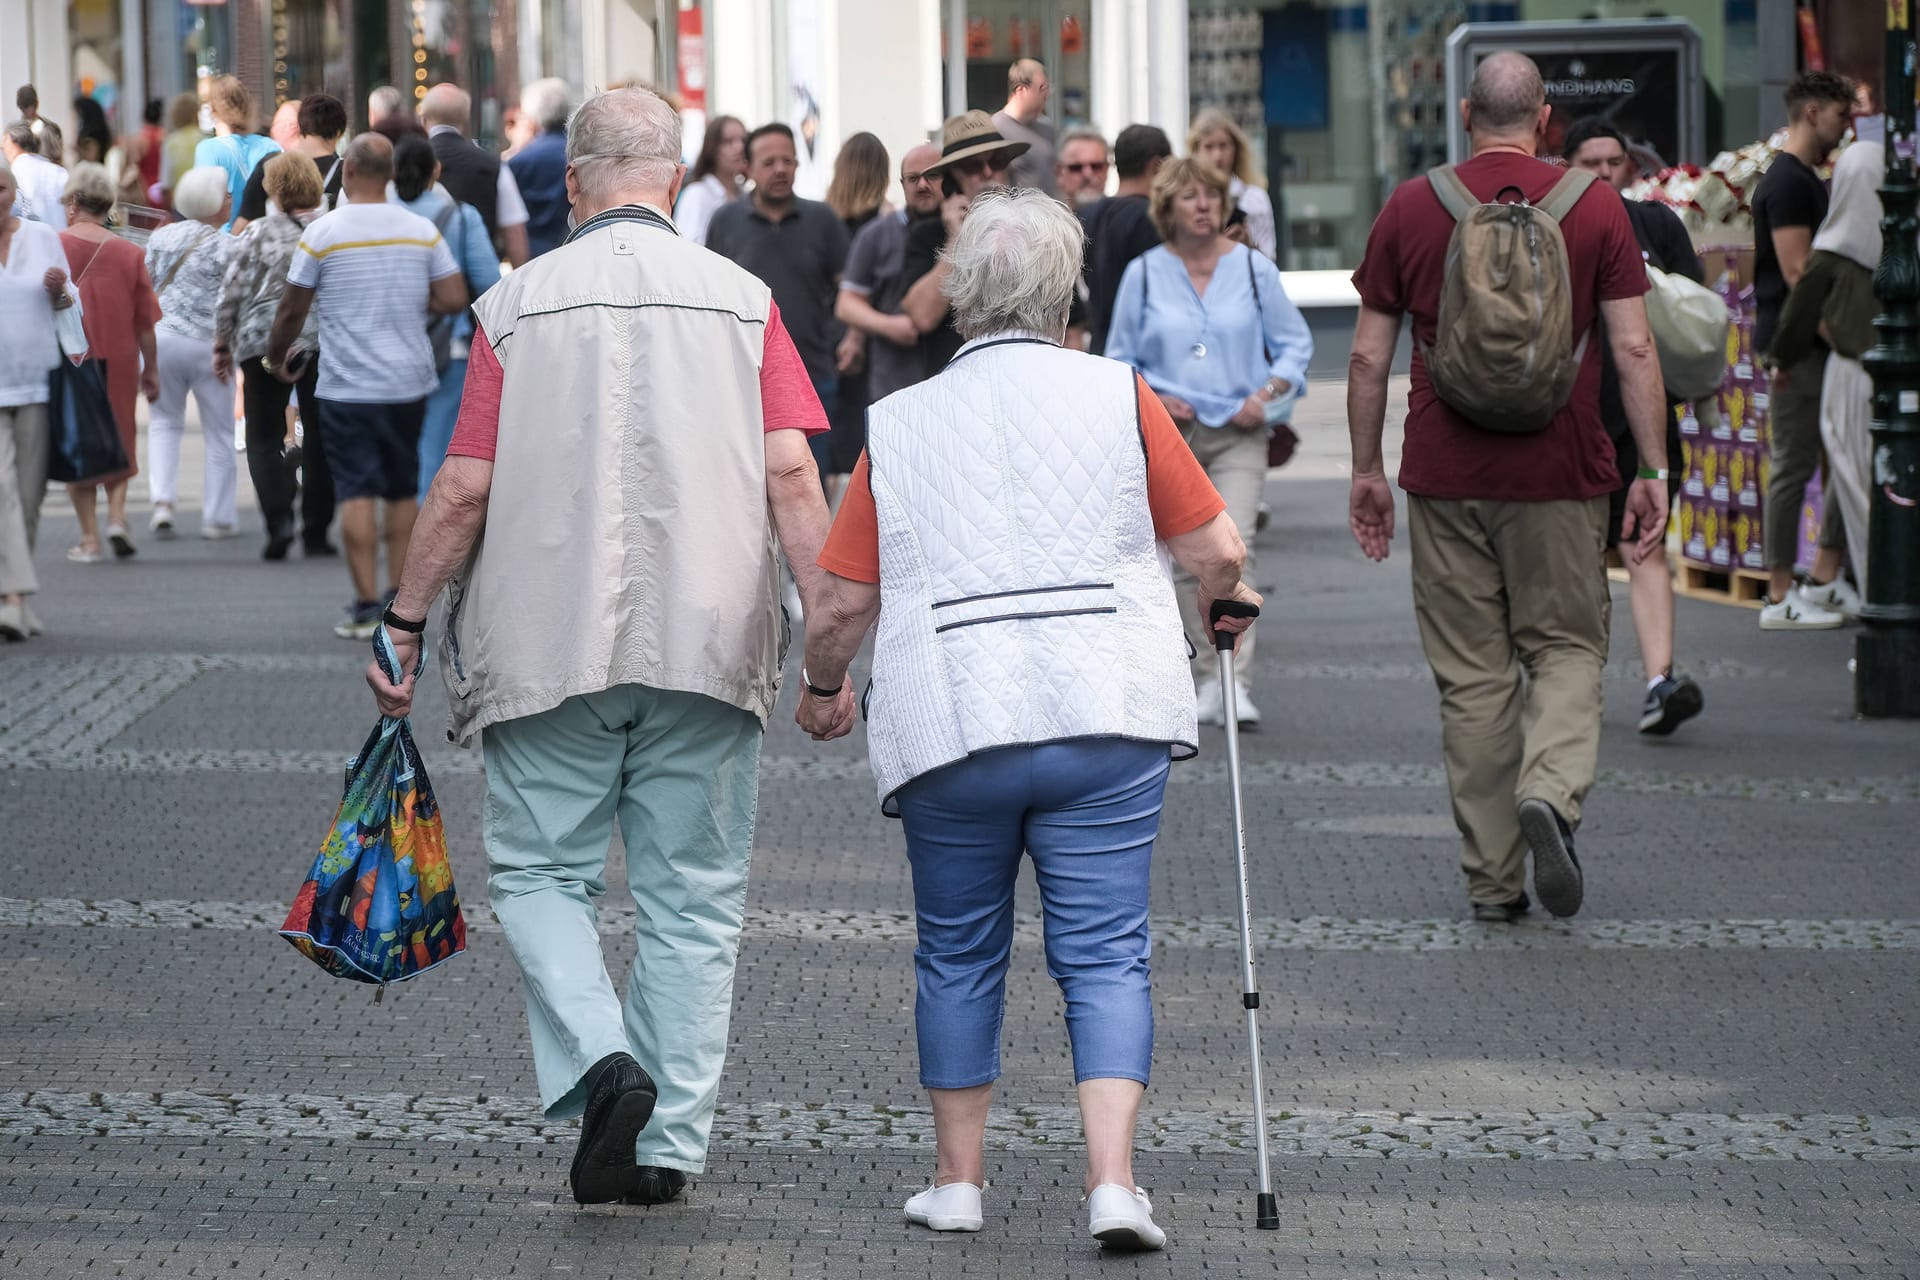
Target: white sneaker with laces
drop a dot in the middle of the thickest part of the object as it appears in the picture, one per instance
(954, 1207)
(1120, 1218)
(1795, 613)
(1209, 703)
(1245, 711)
(160, 525)
(1837, 596)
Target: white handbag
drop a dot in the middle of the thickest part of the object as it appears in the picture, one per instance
(71, 332)
(1690, 324)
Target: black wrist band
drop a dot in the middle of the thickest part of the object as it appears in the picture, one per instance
(394, 622)
(816, 690)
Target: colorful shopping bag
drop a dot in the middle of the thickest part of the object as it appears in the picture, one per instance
(379, 904)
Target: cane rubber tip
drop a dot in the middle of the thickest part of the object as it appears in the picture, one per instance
(1267, 1212)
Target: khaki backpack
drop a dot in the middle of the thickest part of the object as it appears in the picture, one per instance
(1507, 354)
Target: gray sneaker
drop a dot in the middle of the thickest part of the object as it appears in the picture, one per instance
(1556, 871)
(362, 620)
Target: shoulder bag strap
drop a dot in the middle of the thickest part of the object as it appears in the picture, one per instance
(83, 271)
(1566, 193)
(1452, 193)
(1259, 311)
(180, 261)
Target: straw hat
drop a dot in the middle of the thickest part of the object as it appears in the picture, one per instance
(973, 134)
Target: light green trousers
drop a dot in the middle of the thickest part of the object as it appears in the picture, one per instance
(680, 772)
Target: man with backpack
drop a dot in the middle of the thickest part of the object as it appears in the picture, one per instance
(1505, 263)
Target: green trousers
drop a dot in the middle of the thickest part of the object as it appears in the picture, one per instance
(680, 773)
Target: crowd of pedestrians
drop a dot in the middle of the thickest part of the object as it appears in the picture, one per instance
(1009, 407)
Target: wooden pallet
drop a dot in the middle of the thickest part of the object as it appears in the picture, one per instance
(1744, 587)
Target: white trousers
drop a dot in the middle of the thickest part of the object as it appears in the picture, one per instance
(1846, 413)
(186, 365)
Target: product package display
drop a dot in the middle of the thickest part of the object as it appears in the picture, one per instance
(1724, 443)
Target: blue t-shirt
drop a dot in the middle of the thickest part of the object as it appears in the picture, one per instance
(238, 154)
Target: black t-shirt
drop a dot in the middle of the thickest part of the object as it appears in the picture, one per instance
(1665, 244)
(925, 239)
(1790, 195)
(253, 201)
(1118, 231)
(800, 259)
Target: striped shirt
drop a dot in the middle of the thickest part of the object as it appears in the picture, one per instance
(371, 267)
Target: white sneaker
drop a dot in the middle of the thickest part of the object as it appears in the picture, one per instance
(161, 523)
(1795, 613)
(219, 532)
(954, 1207)
(1123, 1219)
(1837, 596)
(1245, 711)
(1208, 702)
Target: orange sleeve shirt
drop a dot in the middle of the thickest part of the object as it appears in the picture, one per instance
(1179, 495)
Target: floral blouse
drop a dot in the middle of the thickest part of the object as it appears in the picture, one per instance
(186, 261)
(256, 277)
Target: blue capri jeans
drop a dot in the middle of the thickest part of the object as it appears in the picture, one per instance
(1087, 813)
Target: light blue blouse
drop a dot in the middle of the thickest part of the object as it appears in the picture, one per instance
(1208, 351)
(467, 240)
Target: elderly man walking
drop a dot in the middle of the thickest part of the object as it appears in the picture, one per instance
(613, 632)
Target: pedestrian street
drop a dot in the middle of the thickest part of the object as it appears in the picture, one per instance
(1708, 1071)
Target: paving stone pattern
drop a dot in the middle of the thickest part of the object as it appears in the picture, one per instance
(1707, 1073)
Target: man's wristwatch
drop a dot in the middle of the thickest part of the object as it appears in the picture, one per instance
(394, 622)
(816, 690)
(1652, 473)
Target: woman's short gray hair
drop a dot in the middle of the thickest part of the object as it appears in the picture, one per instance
(1015, 263)
(201, 191)
(91, 187)
(624, 140)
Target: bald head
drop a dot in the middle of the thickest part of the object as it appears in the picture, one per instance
(446, 104)
(1506, 98)
(369, 167)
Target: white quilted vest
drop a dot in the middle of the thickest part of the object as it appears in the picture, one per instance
(1024, 596)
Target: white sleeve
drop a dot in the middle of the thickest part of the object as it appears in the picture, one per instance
(509, 209)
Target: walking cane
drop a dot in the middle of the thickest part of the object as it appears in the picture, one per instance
(1266, 1208)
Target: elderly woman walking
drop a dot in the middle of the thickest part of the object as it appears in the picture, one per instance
(33, 286)
(186, 260)
(249, 297)
(110, 275)
(1009, 527)
(1207, 323)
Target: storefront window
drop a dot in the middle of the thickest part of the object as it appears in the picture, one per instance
(1344, 100)
(308, 52)
(1000, 32)
(94, 29)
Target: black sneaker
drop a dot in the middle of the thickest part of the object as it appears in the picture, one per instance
(1556, 871)
(1501, 912)
(1670, 704)
(654, 1185)
(620, 1098)
(319, 549)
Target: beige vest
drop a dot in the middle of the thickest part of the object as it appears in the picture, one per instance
(628, 538)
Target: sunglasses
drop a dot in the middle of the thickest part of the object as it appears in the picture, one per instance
(1089, 166)
(979, 164)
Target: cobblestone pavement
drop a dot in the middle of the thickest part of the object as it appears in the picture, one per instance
(1708, 1072)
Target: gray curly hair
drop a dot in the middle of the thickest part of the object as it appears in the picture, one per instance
(1015, 264)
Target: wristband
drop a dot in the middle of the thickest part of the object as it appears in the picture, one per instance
(816, 690)
(1652, 473)
(394, 622)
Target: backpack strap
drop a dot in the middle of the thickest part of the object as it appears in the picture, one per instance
(1452, 193)
(1566, 193)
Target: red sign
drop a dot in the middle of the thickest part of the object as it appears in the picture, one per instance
(1810, 40)
(692, 61)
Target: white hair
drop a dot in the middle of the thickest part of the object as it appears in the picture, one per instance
(546, 101)
(200, 191)
(383, 102)
(624, 140)
(1015, 263)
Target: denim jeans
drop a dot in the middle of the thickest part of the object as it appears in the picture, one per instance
(1087, 812)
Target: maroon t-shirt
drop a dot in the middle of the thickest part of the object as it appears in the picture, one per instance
(1446, 456)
